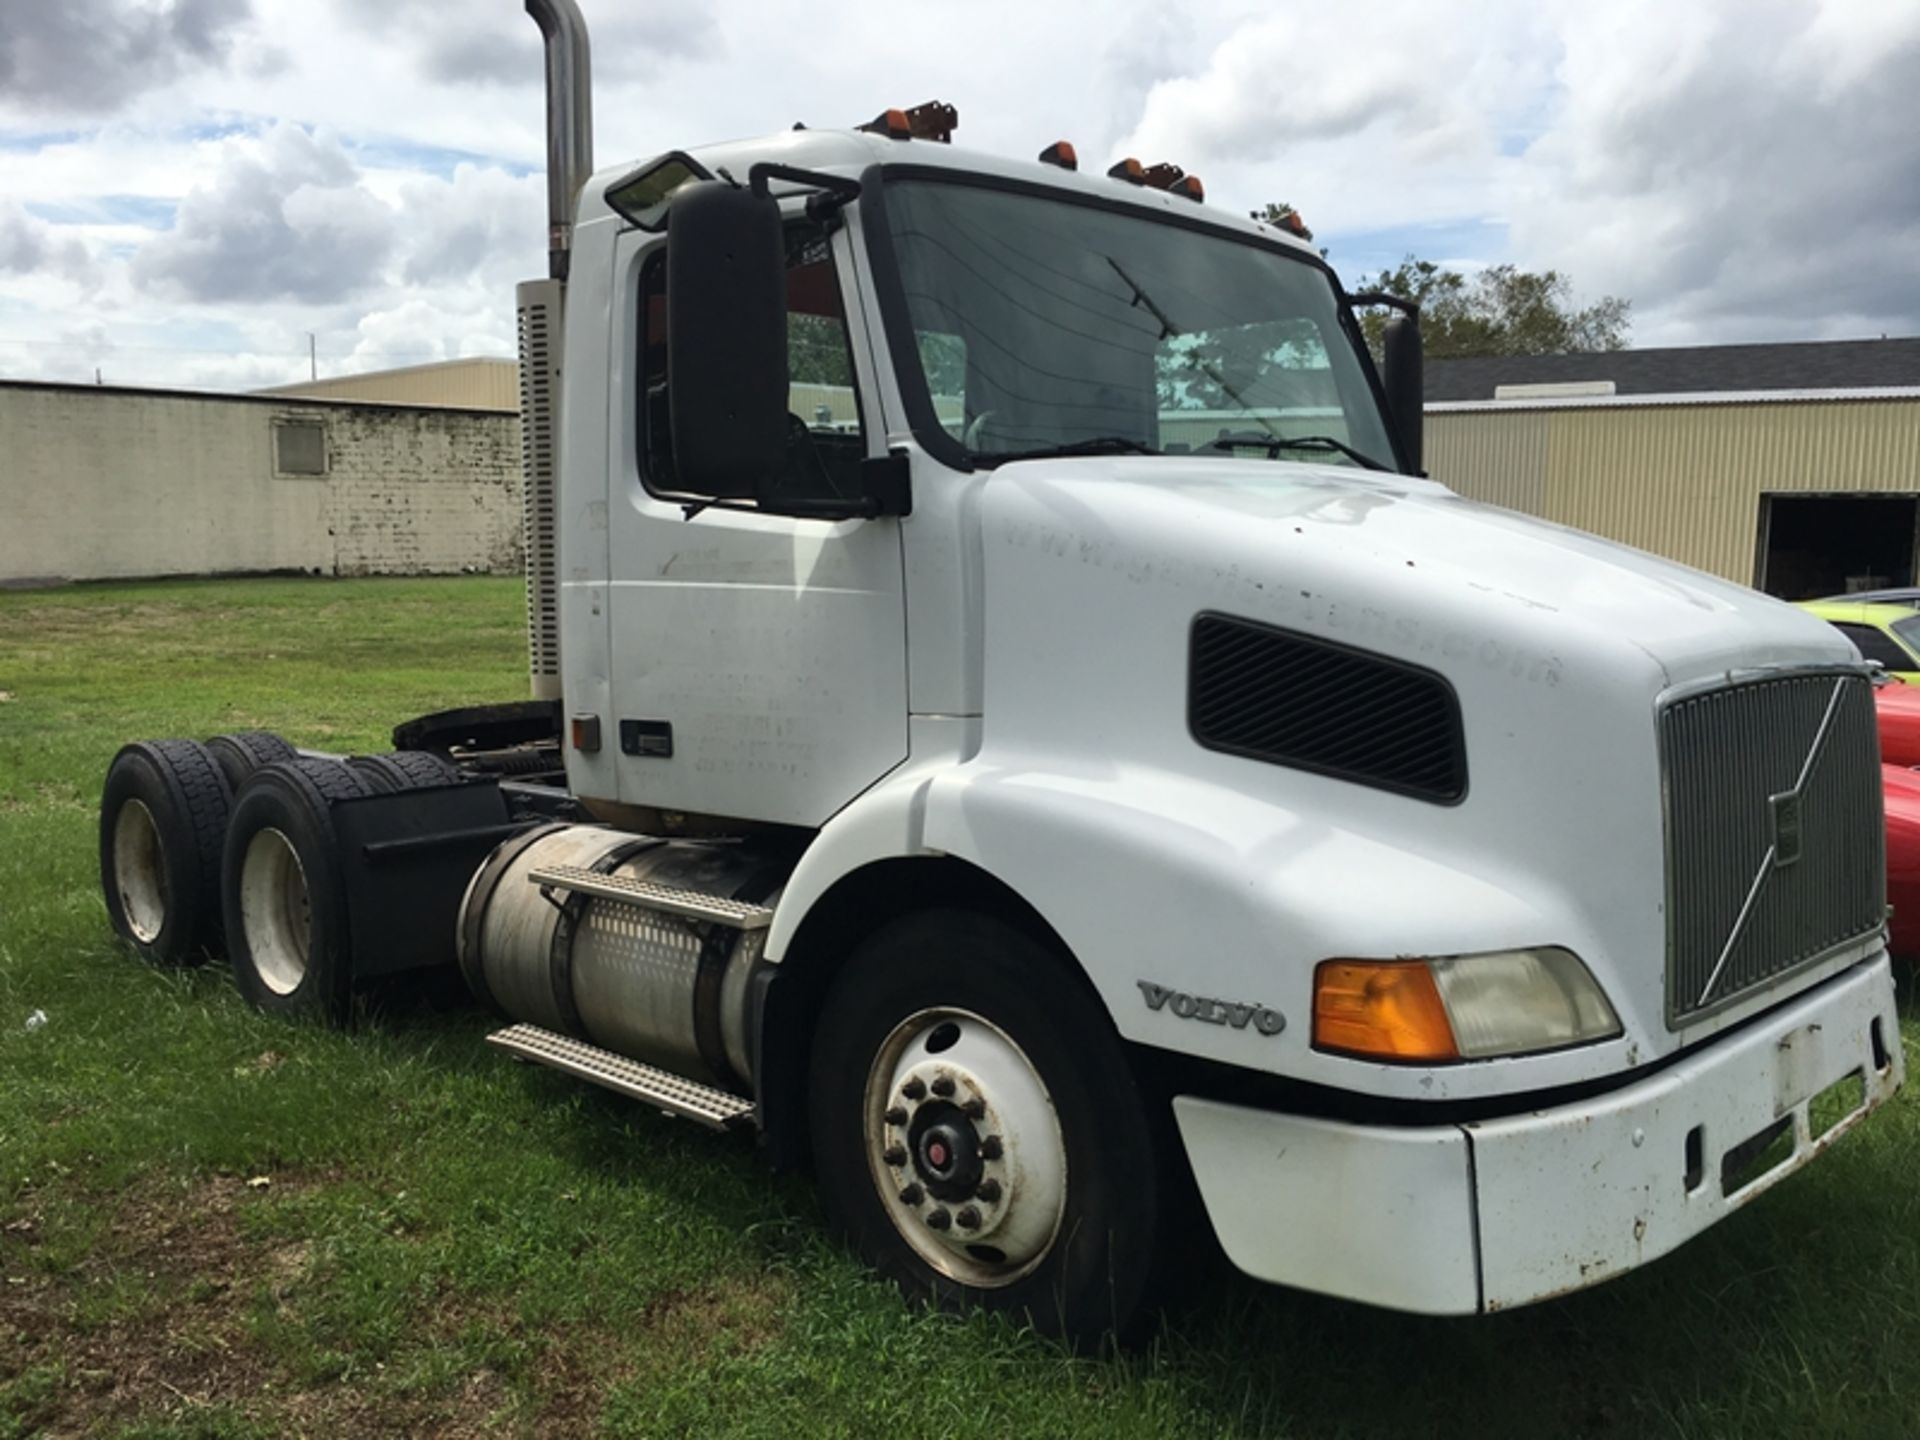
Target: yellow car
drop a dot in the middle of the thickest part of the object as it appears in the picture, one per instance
(1887, 633)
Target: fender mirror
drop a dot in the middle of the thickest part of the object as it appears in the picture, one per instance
(1404, 379)
(726, 340)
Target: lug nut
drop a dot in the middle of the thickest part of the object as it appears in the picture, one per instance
(969, 1217)
(915, 1089)
(943, 1087)
(974, 1109)
(895, 1155)
(896, 1116)
(988, 1190)
(912, 1195)
(990, 1148)
(939, 1219)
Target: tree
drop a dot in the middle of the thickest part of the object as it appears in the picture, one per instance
(1502, 310)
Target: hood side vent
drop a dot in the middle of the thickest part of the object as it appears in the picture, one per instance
(1310, 704)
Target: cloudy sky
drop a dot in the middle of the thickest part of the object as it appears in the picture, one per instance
(189, 187)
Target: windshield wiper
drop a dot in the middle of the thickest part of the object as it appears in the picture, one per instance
(1092, 445)
(1274, 444)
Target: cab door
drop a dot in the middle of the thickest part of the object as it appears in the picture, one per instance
(759, 661)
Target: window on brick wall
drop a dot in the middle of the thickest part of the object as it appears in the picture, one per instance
(299, 447)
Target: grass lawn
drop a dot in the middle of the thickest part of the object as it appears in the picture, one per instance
(215, 1225)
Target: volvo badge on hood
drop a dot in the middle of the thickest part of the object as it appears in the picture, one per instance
(1214, 1012)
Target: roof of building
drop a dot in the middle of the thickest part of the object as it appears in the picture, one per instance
(478, 382)
(288, 403)
(1686, 370)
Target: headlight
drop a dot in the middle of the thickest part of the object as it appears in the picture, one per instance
(1459, 1007)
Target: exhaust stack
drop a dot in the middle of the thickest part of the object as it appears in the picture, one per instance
(569, 121)
(542, 312)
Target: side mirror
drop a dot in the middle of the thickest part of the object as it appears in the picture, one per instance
(726, 340)
(1405, 383)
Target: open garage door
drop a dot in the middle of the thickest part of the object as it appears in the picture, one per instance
(1812, 546)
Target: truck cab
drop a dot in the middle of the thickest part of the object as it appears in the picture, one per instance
(1088, 559)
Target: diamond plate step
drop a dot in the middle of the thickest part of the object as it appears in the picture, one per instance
(739, 914)
(688, 1098)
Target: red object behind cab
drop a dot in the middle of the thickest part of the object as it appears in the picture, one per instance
(1902, 789)
(1899, 708)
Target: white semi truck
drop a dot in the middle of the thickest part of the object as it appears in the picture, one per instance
(1014, 727)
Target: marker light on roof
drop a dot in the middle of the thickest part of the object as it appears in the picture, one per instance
(1129, 170)
(935, 120)
(890, 123)
(1060, 153)
(1191, 187)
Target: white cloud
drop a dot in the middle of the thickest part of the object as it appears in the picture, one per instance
(1743, 171)
(30, 246)
(286, 218)
(366, 170)
(93, 56)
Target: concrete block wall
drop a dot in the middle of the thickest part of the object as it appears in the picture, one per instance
(100, 483)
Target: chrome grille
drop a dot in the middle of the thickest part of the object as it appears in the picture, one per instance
(1775, 838)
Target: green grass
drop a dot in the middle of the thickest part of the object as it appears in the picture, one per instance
(213, 1225)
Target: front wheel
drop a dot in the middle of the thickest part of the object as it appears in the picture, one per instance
(978, 1134)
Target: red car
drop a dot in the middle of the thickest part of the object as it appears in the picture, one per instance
(1902, 787)
(1899, 707)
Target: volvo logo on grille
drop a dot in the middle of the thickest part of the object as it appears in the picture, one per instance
(1784, 812)
(1786, 827)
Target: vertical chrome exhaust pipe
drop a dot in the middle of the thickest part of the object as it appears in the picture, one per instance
(542, 322)
(569, 121)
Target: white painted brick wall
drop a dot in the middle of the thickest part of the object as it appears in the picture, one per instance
(98, 483)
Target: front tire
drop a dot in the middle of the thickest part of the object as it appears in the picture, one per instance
(978, 1134)
(284, 898)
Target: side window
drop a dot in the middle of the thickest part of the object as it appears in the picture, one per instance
(1873, 645)
(943, 357)
(826, 429)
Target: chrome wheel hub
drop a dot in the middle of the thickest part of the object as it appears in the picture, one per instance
(276, 911)
(139, 871)
(965, 1147)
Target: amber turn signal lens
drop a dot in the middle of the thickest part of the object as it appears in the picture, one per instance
(1060, 153)
(1385, 1010)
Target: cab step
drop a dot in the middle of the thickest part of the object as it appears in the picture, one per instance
(718, 1109)
(737, 914)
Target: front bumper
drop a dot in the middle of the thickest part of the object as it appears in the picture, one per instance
(1483, 1216)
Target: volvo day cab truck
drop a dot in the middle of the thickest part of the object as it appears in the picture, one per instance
(1014, 728)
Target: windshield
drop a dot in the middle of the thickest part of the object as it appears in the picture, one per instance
(1041, 325)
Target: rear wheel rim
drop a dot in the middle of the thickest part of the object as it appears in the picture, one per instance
(965, 1148)
(276, 911)
(140, 871)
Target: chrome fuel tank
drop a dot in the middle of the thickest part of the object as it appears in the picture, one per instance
(661, 987)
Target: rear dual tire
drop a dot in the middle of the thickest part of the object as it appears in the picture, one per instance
(163, 815)
(284, 895)
(242, 752)
(405, 770)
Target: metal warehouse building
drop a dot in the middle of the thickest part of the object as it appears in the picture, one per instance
(1793, 468)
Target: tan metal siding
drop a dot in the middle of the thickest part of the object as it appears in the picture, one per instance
(1683, 481)
(474, 384)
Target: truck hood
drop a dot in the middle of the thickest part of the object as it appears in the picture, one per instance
(1374, 540)
(1559, 648)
